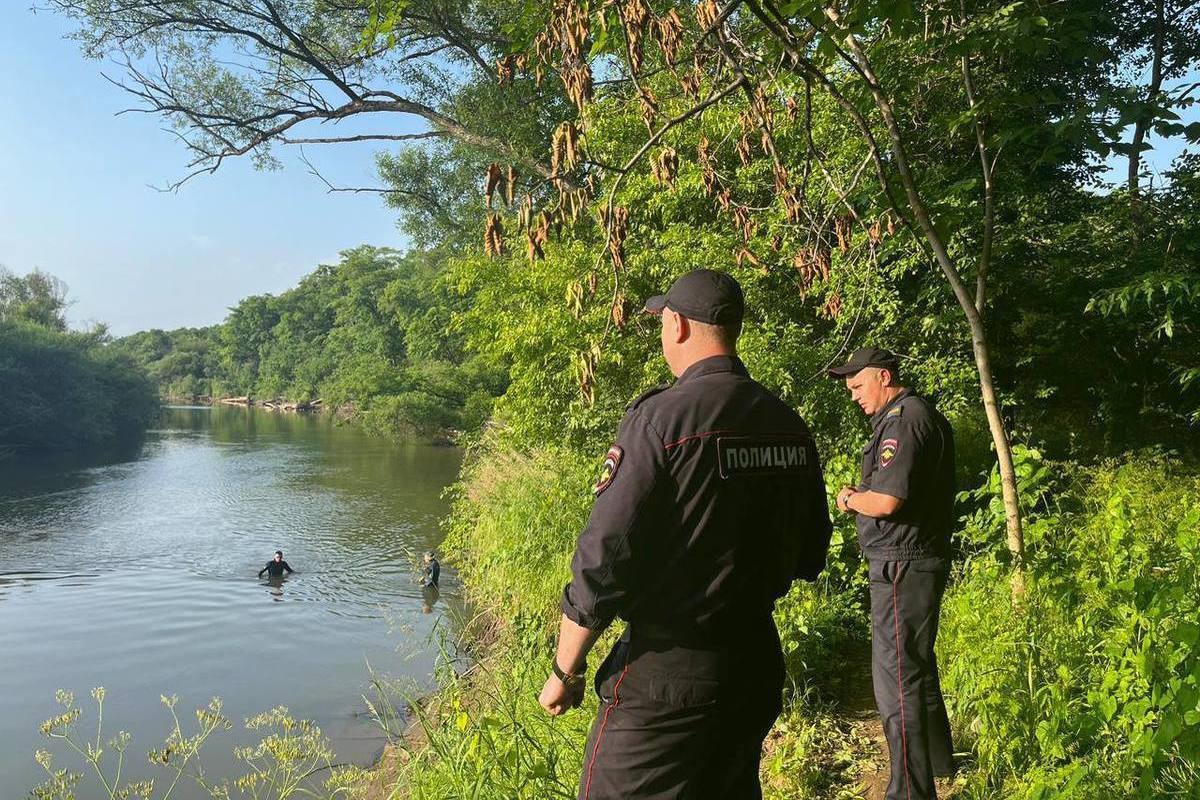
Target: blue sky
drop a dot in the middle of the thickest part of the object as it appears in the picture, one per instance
(76, 197)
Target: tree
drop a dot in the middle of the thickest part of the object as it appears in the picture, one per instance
(927, 89)
(239, 77)
(37, 297)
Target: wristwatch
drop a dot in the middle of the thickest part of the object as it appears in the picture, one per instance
(572, 680)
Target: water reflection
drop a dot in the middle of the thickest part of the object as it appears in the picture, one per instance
(276, 586)
(429, 598)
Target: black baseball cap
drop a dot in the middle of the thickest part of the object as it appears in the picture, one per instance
(866, 357)
(704, 295)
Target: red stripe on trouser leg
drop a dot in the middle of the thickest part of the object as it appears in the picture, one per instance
(600, 735)
(900, 684)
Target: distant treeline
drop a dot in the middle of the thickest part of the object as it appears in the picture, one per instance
(370, 335)
(62, 389)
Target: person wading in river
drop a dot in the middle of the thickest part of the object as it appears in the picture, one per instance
(276, 566)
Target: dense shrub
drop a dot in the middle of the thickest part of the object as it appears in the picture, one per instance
(1090, 690)
(67, 390)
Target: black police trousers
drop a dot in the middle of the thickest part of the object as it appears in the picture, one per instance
(906, 599)
(683, 723)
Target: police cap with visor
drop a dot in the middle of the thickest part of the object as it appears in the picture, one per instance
(703, 295)
(866, 357)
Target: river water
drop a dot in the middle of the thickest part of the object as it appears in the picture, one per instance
(136, 571)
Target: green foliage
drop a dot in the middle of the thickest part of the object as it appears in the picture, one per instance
(513, 527)
(37, 298)
(68, 390)
(370, 335)
(281, 764)
(1091, 690)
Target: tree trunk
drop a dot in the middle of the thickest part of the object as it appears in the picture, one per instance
(1142, 127)
(979, 345)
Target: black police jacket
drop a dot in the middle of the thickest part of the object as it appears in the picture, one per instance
(710, 504)
(910, 455)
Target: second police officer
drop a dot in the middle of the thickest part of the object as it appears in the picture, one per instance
(710, 503)
(905, 513)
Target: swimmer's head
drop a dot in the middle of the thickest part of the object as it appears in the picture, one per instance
(428, 556)
(279, 555)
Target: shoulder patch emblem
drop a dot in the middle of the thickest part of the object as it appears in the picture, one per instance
(612, 460)
(887, 451)
(895, 412)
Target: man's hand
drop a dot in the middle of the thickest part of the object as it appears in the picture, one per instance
(557, 698)
(842, 497)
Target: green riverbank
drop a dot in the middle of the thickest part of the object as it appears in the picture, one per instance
(1086, 690)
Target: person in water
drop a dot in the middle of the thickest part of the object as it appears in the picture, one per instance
(276, 566)
(433, 571)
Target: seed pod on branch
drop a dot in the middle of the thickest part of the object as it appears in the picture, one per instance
(618, 310)
(534, 239)
(505, 68)
(510, 186)
(593, 282)
(707, 170)
(743, 150)
(805, 262)
(743, 221)
(745, 121)
(689, 83)
(493, 236)
(564, 147)
(669, 33)
(781, 179)
(664, 168)
(724, 199)
(743, 254)
(706, 13)
(793, 205)
(616, 225)
(525, 214)
(572, 203)
(649, 107)
(875, 233)
(824, 262)
(793, 108)
(586, 370)
(577, 82)
(833, 306)
(493, 180)
(634, 16)
(842, 227)
(891, 223)
(575, 298)
(763, 108)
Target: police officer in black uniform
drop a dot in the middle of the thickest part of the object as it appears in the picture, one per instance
(710, 503)
(905, 508)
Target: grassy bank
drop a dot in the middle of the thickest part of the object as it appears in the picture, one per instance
(1088, 690)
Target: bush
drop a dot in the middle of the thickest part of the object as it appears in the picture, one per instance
(1091, 689)
(512, 531)
(68, 390)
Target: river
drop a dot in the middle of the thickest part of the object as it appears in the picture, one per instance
(136, 571)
